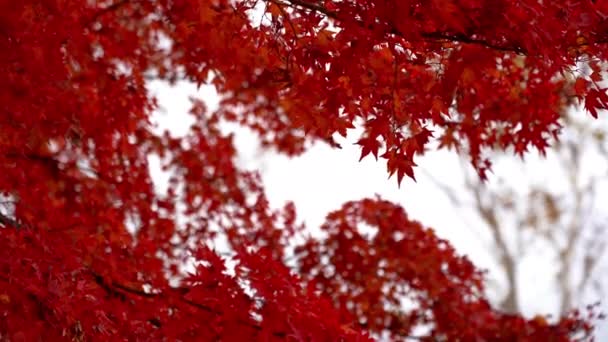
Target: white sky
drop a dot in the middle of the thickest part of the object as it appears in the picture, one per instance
(323, 179)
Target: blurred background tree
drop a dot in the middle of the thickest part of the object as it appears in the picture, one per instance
(547, 208)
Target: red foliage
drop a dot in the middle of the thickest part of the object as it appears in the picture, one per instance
(89, 251)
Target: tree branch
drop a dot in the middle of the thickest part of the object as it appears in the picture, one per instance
(9, 222)
(111, 8)
(487, 212)
(121, 291)
(434, 36)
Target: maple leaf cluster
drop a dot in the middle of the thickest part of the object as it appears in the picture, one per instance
(89, 251)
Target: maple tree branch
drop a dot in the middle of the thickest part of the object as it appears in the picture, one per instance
(287, 18)
(120, 290)
(111, 8)
(115, 288)
(435, 35)
(462, 38)
(313, 7)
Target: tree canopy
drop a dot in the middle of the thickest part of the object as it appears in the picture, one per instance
(90, 252)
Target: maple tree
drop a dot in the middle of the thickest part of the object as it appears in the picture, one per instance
(89, 251)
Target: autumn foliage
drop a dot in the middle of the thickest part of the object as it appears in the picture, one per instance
(89, 251)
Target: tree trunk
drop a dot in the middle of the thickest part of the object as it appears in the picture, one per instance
(510, 303)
